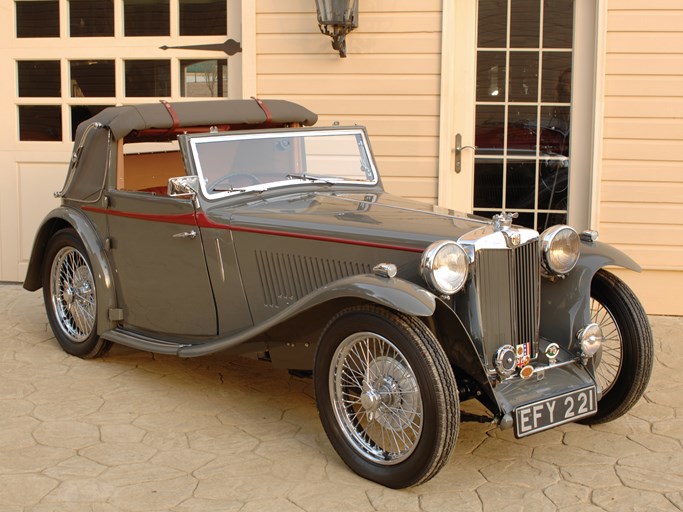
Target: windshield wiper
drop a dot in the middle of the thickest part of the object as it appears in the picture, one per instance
(232, 189)
(308, 177)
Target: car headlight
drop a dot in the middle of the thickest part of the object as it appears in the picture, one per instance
(560, 249)
(444, 266)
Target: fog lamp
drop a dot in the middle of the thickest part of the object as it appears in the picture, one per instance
(590, 339)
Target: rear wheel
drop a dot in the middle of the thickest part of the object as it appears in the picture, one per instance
(70, 296)
(386, 395)
(624, 365)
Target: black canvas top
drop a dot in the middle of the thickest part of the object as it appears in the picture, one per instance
(131, 119)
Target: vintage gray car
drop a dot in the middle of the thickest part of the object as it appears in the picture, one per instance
(235, 225)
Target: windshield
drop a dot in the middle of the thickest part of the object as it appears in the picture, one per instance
(231, 164)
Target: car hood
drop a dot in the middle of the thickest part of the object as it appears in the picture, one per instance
(378, 218)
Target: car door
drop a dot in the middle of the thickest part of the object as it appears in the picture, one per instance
(162, 279)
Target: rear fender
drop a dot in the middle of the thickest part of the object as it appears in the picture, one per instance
(65, 217)
(565, 303)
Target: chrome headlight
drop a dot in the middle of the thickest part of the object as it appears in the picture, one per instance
(560, 249)
(444, 266)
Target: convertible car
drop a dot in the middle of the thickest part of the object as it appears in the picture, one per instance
(236, 225)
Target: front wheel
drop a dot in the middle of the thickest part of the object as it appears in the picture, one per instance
(624, 365)
(70, 296)
(386, 395)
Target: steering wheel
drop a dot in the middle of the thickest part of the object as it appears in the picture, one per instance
(236, 180)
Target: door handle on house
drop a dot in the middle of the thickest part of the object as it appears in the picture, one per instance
(458, 152)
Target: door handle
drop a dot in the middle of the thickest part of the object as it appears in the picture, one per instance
(458, 152)
(186, 234)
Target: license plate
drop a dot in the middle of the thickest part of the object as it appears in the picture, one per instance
(548, 413)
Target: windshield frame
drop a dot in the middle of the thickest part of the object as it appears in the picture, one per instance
(365, 154)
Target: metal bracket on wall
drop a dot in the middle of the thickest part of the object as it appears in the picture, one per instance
(458, 152)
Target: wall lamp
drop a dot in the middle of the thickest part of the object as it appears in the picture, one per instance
(336, 18)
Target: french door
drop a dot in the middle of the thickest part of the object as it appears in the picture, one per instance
(519, 114)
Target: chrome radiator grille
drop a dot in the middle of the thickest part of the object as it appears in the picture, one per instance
(508, 284)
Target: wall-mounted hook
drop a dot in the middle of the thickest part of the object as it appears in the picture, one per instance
(458, 152)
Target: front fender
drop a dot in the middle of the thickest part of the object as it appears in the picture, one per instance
(394, 293)
(65, 217)
(565, 303)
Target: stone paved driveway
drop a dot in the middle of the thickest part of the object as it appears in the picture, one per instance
(139, 432)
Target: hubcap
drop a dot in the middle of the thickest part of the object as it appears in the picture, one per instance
(376, 398)
(72, 289)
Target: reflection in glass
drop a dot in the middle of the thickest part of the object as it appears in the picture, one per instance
(40, 123)
(558, 24)
(557, 77)
(553, 184)
(489, 130)
(488, 183)
(492, 24)
(555, 131)
(203, 17)
(146, 18)
(525, 219)
(39, 78)
(545, 220)
(145, 78)
(204, 78)
(521, 184)
(524, 76)
(491, 76)
(80, 113)
(37, 18)
(522, 130)
(92, 78)
(91, 18)
(525, 23)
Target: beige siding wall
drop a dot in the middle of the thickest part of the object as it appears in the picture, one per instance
(389, 82)
(641, 190)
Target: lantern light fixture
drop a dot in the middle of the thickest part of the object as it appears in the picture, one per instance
(336, 18)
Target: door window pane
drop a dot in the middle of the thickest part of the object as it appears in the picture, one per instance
(39, 78)
(40, 123)
(557, 77)
(490, 129)
(492, 24)
(204, 78)
(488, 184)
(521, 185)
(491, 73)
(558, 24)
(91, 18)
(80, 113)
(525, 23)
(203, 17)
(146, 18)
(553, 184)
(37, 19)
(555, 131)
(524, 77)
(148, 78)
(92, 78)
(522, 130)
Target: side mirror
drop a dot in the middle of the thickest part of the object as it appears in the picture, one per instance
(183, 186)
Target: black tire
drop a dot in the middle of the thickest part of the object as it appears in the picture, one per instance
(386, 395)
(624, 365)
(70, 296)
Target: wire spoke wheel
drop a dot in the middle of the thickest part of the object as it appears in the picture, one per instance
(623, 366)
(70, 296)
(376, 398)
(72, 288)
(386, 395)
(611, 355)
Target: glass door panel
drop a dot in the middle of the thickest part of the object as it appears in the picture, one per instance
(523, 106)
